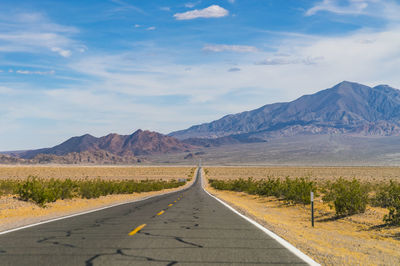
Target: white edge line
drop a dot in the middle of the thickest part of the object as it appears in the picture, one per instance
(281, 241)
(90, 211)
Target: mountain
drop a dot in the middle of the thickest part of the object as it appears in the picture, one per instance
(347, 108)
(221, 141)
(139, 143)
(84, 157)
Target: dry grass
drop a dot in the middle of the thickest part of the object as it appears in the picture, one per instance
(93, 172)
(370, 174)
(355, 240)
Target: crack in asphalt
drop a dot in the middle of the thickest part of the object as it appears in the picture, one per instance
(121, 252)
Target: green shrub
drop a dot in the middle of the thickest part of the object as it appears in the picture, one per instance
(348, 197)
(8, 187)
(291, 190)
(43, 191)
(298, 190)
(36, 190)
(388, 196)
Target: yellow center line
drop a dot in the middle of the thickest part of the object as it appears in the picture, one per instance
(169, 205)
(137, 229)
(161, 212)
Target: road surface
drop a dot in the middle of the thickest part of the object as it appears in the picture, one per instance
(188, 227)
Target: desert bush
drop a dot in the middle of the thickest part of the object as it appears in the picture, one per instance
(298, 190)
(43, 191)
(348, 197)
(388, 196)
(8, 187)
(36, 190)
(291, 190)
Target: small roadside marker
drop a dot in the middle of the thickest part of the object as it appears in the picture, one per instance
(312, 209)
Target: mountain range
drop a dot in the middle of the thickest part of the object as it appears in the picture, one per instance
(347, 109)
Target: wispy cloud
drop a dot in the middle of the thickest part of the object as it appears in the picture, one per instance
(151, 28)
(124, 6)
(288, 61)
(213, 11)
(62, 52)
(234, 69)
(385, 9)
(34, 33)
(165, 8)
(6, 90)
(192, 4)
(353, 7)
(230, 48)
(30, 72)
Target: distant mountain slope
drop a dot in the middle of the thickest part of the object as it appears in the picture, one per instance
(139, 143)
(345, 108)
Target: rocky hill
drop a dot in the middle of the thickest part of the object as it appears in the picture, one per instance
(347, 108)
(120, 146)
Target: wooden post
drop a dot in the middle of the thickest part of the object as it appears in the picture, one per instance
(312, 209)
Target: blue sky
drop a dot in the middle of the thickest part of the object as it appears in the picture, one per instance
(73, 67)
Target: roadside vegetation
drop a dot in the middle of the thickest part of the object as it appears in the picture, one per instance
(290, 190)
(43, 191)
(346, 197)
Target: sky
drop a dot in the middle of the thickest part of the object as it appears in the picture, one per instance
(71, 67)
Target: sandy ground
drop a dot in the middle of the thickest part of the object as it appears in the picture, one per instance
(93, 172)
(355, 240)
(15, 213)
(371, 174)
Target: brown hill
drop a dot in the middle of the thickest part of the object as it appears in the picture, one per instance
(85, 157)
(139, 143)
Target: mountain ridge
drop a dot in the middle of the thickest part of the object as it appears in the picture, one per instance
(346, 108)
(139, 143)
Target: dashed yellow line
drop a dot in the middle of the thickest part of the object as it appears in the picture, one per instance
(169, 205)
(137, 229)
(161, 212)
(174, 201)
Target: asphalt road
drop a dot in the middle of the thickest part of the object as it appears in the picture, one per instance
(182, 228)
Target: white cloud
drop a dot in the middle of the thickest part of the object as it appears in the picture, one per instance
(385, 9)
(151, 28)
(288, 60)
(137, 26)
(213, 11)
(165, 8)
(229, 48)
(231, 1)
(34, 33)
(6, 90)
(29, 72)
(62, 52)
(234, 69)
(353, 7)
(192, 4)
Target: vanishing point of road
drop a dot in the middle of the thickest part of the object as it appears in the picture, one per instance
(188, 227)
